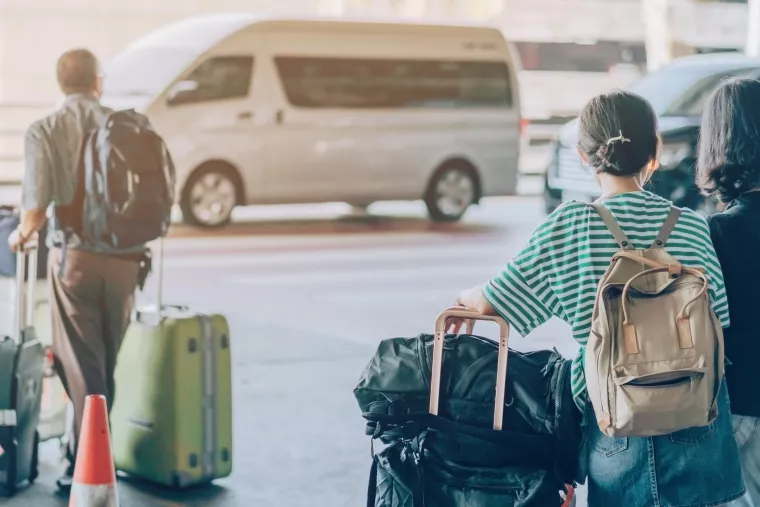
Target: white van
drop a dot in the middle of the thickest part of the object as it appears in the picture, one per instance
(280, 111)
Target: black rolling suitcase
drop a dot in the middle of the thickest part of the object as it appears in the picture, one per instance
(21, 372)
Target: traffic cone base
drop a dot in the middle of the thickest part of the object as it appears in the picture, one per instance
(94, 475)
(83, 495)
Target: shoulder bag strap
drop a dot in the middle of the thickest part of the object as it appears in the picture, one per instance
(667, 228)
(612, 225)
(372, 486)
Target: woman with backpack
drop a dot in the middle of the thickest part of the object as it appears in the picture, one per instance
(557, 273)
(729, 168)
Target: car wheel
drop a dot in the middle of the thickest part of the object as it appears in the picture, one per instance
(209, 196)
(451, 191)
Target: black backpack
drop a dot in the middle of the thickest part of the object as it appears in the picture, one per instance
(125, 188)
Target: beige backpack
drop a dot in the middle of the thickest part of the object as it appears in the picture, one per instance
(655, 357)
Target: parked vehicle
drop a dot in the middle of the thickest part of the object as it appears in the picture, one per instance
(278, 111)
(678, 93)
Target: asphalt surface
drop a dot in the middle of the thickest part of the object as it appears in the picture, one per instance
(308, 298)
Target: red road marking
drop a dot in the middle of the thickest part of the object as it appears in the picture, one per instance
(378, 224)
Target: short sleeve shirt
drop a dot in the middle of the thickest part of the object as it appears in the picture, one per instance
(52, 148)
(557, 272)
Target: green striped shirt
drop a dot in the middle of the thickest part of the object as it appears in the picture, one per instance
(557, 272)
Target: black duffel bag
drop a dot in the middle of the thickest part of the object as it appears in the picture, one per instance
(394, 390)
(449, 464)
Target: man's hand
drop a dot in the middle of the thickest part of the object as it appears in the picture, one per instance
(15, 241)
(31, 221)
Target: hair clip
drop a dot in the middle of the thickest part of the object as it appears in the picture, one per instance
(618, 138)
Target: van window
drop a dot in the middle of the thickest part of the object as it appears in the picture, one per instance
(572, 57)
(218, 78)
(362, 83)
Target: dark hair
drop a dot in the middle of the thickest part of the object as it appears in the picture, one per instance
(77, 71)
(729, 144)
(618, 133)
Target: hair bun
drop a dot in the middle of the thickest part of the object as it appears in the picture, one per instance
(618, 133)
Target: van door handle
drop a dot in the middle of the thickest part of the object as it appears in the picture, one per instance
(245, 115)
(279, 117)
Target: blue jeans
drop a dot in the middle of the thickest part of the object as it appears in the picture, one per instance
(695, 467)
(747, 435)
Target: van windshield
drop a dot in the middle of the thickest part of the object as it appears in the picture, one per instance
(693, 100)
(682, 91)
(144, 71)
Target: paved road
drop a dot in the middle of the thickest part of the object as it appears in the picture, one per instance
(307, 303)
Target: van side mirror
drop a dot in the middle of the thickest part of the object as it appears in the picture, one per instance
(182, 92)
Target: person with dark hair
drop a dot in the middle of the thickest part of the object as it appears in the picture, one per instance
(556, 274)
(93, 295)
(728, 168)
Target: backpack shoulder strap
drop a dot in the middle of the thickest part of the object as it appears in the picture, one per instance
(667, 228)
(612, 225)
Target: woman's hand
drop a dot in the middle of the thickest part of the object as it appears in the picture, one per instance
(471, 299)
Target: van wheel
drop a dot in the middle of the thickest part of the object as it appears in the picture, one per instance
(210, 195)
(453, 188)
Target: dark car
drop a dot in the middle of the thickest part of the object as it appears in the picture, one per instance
(678, 93)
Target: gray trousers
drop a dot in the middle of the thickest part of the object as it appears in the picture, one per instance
(91, 303)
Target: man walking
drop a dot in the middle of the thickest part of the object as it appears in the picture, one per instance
(92, 289)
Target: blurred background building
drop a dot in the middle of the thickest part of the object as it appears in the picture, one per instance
(570, 49)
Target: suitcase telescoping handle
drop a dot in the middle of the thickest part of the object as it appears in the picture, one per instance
(501, 372)
(25, 287)
(160, 306)
(160, 291)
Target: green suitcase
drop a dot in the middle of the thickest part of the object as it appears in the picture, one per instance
(171, 422)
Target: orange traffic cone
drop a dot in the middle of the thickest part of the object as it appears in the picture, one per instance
(94, 475)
